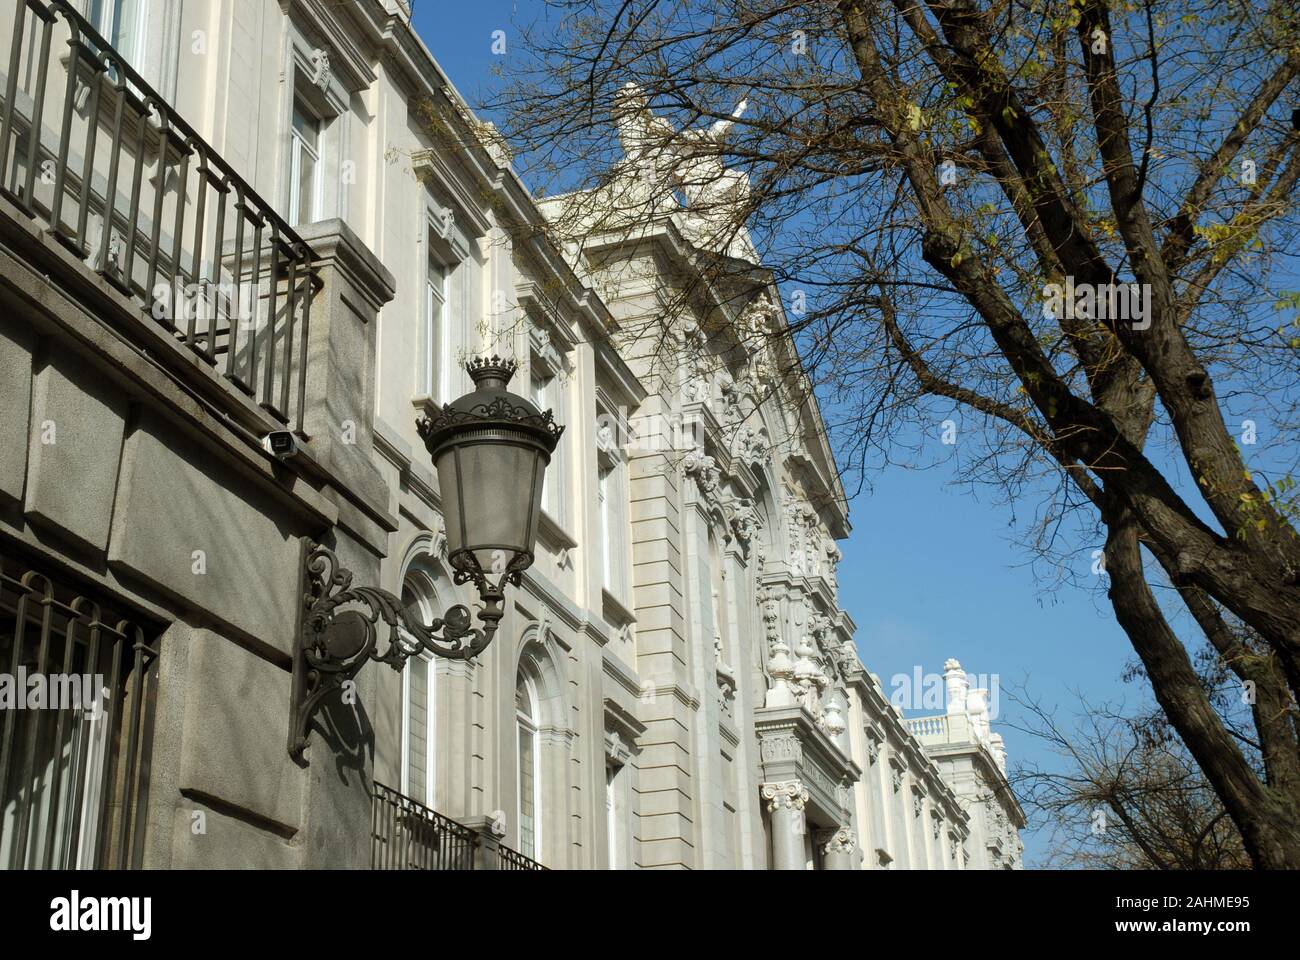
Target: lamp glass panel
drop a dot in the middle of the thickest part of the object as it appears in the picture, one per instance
(490, 500)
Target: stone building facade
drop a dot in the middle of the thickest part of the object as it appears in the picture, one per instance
(227, 219)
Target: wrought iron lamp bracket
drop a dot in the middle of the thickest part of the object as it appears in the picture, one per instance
(333, 644)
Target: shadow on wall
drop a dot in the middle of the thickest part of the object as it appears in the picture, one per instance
(344, 729)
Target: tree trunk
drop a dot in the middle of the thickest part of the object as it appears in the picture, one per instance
(1268, 828)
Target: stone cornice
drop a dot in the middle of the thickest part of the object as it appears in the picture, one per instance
(883, 723)
(347, 59)
(394, 43)
(622, 720)
(625, 676)
(617, 373)
(665, 232)
(989, 768)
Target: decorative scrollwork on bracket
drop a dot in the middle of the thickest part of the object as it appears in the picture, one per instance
(334, 644)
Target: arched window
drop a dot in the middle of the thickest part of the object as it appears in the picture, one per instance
(419, 600)
(527, 724)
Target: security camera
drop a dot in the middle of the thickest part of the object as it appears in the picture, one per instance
(281, 444)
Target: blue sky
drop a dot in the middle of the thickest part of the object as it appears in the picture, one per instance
(930, 571)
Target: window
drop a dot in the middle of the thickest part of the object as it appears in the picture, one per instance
(304, 165)
(74, 773)
(614, 816)
(545, 394)
(431, 378)
(529, 801)
(539, 386)
(603, 494)
(450, 279)
(611, 492)
(418, 683)
(121, 23)
(456, 329)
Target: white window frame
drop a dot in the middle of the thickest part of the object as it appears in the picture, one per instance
(604, 472)
(455, 322)
(297, 146)
(615, 510)
(616, 815)
(447, 247)
(429, 738)
(103, 13)
(432, 361)
(426, 603)
(550, 397)
(529, 725)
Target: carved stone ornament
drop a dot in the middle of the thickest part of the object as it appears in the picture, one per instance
(790, 794)
(750, 445)
(777, 749)
(873, 750)
(615, 748)
(726, 689)
(743, 519)
(444, 222)
(832, 721)
(704, 470)
(780, 668)
(833, 557)
(843, 841)
(738, 402)
(756, 322)
(697, 366)
(320, 65)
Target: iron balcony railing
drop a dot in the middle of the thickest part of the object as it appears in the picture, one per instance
(508, 859)
(120, 179)
(407, 835)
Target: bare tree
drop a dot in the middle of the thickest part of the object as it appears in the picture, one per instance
(1069, 220)
(1124, 794)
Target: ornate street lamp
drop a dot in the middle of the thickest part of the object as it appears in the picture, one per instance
(491, 448)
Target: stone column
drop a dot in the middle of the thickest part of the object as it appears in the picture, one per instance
(785, 804)
(839, 849)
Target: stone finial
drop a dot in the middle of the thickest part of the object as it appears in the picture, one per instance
(833, 719)
(780, 667)
(954, 678)
(977, 706)
(999, 750)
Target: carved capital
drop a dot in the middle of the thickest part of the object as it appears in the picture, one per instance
(790, 794)
(842, 841)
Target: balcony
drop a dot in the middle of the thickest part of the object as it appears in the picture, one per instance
(929, 730)
(176, 252)
(407, 835)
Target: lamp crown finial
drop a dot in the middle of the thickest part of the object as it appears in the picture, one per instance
(484, 370)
